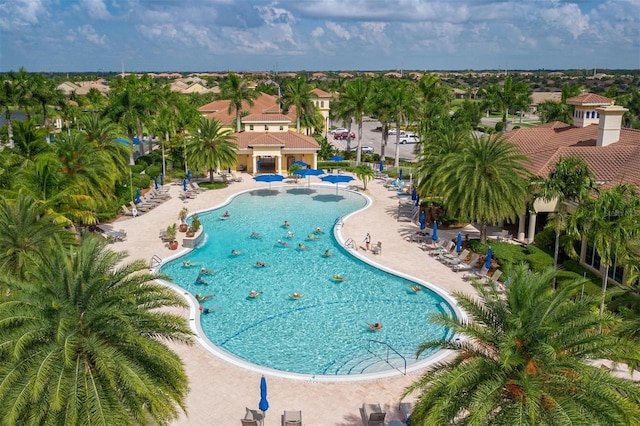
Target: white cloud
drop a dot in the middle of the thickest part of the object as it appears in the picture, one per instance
(97, 9)
(89, 33)
(338, 30)
(566, 17)
(21, 13)
(317, 32)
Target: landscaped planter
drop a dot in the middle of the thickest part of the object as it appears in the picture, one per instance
(193, 242)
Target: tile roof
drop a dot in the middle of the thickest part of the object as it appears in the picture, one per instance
(589, 99)
(263, 104)
(612, 164)
(286, 140)
(266, 118)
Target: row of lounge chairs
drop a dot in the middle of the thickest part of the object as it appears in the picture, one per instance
(447, 255)
(150, 200)
(255, 418)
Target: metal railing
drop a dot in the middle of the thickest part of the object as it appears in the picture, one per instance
(155, 261)
(386, 359)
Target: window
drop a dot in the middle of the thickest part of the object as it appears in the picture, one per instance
(250, 126)
(592, 258)
(322, 104)
(266, 127)
(616, 271)
(281, 127)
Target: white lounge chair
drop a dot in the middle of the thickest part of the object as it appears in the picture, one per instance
(292, 418)
(482, 273)
(373, 414)
(128, 212)
(454, 260)
(466, 266)
(252, 418)
(406, 408)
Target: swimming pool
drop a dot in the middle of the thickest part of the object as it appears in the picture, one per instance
(325, 332)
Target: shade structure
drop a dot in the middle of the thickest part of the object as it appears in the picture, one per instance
(381, 165)
(300, 163)
(336, 179)
(269, 178)
(434, 235)
(308, 173)
(189, 175)
(423, 221)
(138, 200)
(155, 183)
(414, 193)
(459, 243)
(264, 404)
(487, 261)
(336, 158)
(184, 184)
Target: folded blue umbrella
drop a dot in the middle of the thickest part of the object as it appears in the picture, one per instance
(138, 200)
(434, 235)
(487, 262)
(162, 179)
(459, 243)
(155, 183)
(423, 221)
(184, 184)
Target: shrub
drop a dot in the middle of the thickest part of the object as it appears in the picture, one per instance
(138, 168)
(498, 126)
(546, 239)
(141, 181)
(538, 259)
(153, 171)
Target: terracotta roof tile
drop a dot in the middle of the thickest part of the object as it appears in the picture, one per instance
(589, 99)
(286, 140)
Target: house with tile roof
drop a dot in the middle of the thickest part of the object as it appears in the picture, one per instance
(596, 136)
(268, 143)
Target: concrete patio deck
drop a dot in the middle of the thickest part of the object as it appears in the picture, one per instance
(220, 390)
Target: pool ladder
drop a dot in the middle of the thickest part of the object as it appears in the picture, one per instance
(155, 261)
(350, 244)
(389, 357)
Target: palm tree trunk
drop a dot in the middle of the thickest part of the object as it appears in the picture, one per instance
(359, 154)
(139, 134)
(605, 281)
(238, 118)
(211, 175)
(396, 161)
(556, 251)
(483, 232)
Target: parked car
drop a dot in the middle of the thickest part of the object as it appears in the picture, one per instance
(410, 138)
(344, 135)
(338, 130)
(392, 132)
(365, 148)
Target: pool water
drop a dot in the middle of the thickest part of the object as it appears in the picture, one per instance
(325, 332)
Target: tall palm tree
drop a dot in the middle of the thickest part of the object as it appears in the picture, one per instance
(402, 108)
(102, 132)
(521, 359)
(43, 94)
(82, 342)
(25, 227)
(381, 107)
(569, 181)
(212, 147)
(8, 99)
(298, 93)
(486, 181)
(365, 174)
(356, 100)
(610, 224)
(443, 143)
(510, 95)
(238, 92)
(29, 140)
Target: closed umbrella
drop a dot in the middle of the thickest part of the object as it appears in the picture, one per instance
(423, 221)
(162, 179)
(459, 243)
(434, 235)
(414, 193)
(138, 200)
(184, 184)
(487, 262)
(381, 165)
(155, 183)
(264, 404)
(417, 200)
(400, 177)
(189, 175)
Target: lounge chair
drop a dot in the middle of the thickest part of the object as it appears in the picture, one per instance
(252, 418)
(195, 187)
(141, 207)
(406, 408)
(292, 418)
(455, 260)
(493, 279)
(128, 212)
(161, 195)
(236, 178)
(482, 273)
(467, 266)
(373, 414)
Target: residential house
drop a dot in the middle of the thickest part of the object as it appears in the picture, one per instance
(611, 152)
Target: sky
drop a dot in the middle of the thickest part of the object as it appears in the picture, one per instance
(317, 35)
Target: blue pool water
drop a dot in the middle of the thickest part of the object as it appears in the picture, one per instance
(325, 332)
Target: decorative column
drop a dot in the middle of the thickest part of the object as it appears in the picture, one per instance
(532, 226)
(254, 165)
(521, 221)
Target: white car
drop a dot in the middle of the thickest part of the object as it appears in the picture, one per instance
(338, 130)
(410, 138)
(392, 132)
(365, 148)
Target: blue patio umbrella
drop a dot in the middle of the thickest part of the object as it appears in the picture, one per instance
(336, 179)
(423, 221)
(269, 178)
(400, 176)
(414, 193)
(184, 184)
(189, 175)
(138, 200)
(300, 163)
(381, 165)
(155, 183)
(308, 173)
(264, 404)
(162, 179)
(487, 262)
(336, 158)
(459, 243)
(434, 235)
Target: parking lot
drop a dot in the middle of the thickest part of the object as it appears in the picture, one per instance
(372, 137)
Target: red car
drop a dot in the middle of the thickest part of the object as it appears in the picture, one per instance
(344, 135)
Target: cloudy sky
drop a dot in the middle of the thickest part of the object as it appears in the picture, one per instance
(292, 35)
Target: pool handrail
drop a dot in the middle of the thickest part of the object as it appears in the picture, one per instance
(389, 347)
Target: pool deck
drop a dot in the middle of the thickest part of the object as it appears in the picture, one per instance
(220, 390)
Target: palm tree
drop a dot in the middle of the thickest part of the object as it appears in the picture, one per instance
(44, 93)
(8, 99)
(29, 140)
(365, 174)
(402, 107)
(82, 342)
(381, 107)
(212, 147)
(356, 99)
(610, 224)
(25, 227)
(443, 143)
(103, 133)
(237, 91)
(485, 181)
(569, 181)
(298, 93)
(508, 96)
(521, 359)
